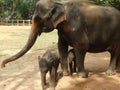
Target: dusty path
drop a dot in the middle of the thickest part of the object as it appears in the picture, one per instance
(23, 74)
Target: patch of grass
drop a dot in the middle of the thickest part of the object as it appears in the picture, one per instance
(46, 40)
(14, 39)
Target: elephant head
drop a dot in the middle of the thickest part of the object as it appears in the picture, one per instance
(46, 17)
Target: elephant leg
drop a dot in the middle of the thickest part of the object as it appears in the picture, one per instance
(118, 63)
(56, 65)
(63, 51)
(53, 75)
(71, 67)
(59, 72)
(74, 67)
(43, 80)
(80, 55)
(113, 62)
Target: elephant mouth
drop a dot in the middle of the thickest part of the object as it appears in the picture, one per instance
(47, 29)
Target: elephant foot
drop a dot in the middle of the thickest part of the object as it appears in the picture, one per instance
(110, 72)
(83, 74)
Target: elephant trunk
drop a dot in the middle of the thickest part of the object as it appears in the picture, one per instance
(31, 40)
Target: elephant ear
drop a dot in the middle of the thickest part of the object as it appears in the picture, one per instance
(58, 15)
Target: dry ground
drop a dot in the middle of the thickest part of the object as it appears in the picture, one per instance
(23, 74)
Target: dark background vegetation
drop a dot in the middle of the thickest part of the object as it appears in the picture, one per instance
(24, 9)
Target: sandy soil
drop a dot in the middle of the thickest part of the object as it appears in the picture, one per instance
(23, 74)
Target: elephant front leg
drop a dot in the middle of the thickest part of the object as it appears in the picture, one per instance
(53, 77)
(43, 80)
(63, 51)
(80, 55)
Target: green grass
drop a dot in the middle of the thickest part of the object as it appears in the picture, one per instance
(46, 40)
(13, 39)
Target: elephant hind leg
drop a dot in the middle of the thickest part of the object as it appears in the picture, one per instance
(118, 64)
(113, 64)
(80, 55)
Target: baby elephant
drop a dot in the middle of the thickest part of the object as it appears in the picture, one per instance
(49, 63)
(72, 61)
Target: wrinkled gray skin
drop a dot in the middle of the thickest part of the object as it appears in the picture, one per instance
(83, 25)
(49, 63)
(72, 61)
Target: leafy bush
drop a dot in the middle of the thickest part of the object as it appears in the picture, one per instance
(24, 9)
(17, 9)
(114, 3)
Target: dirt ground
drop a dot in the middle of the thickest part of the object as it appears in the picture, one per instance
(23, 74)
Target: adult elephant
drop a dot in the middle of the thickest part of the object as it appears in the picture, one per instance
(84, 25)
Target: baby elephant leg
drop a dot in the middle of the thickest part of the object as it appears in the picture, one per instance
(72, 61)
(43, 80)
(71, 67)
(53, 75)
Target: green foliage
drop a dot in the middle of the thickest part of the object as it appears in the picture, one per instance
(114, 3)
(17, 9)
(24, 9)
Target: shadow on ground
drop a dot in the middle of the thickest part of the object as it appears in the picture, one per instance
(23, 74)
